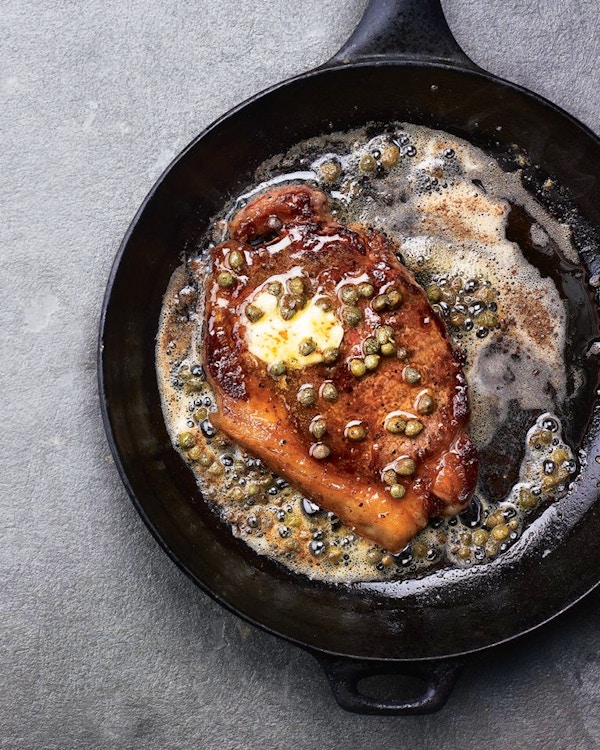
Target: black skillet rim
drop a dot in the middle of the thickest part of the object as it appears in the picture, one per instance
(105, 406)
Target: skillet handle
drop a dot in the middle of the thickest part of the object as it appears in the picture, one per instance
(396, 29)
(434, 679)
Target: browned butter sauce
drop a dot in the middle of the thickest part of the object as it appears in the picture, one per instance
(455, 215)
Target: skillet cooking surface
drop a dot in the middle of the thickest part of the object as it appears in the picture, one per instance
(557, 560)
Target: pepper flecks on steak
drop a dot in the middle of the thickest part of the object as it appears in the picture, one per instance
(328, 363)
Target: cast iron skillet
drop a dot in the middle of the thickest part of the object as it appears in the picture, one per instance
(401, 63)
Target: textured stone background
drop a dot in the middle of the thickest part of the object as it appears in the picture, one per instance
(105, 644)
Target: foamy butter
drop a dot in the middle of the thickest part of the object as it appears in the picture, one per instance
(447, 204)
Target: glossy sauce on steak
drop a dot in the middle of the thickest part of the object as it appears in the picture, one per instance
(350, 389)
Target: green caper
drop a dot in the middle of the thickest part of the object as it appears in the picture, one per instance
(216, 469)
(402, 354)
(487, 319)
(357, 367)
(335, 554)
(320, 451)
(390, 476)
(405, 467)
(236, 260)
(330, 170)
(287, 311)
(206, 460)
(448, 296)
(329, 392)
(420, 549)
(366, 290)
(296, 286)
(356, 432)
(388, 349)
(349, 294)
(397, 491)
(480, 537)
(200, 414)
(372, 361)
(374, 556)
(370, 345)
(495, 519)
(323, 303)
(330, 355)
(394, 298)
(500, 532)
(411, 375)
(380, 303)
(225, 279)
(275, 288)
(307, 395)
(384, 334)
(306, 347)
(277, 369)
(389, 156)
(395, 425)
(387, 560)
(351, 316)
(253, 489)
(413, 428)
(457, 319)
(193, 384)
(492, 548)
(318, 427)
(187, 440)
(526, 499)
(464, 552)
(367, 163)
(434, 293)
(425, 404)
(195, 453)
(254, 313)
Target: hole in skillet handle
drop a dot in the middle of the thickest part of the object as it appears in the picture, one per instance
(425, 686)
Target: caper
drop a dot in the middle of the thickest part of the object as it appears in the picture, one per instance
(323, 303)
(366, 290)
(320, 451)
(206, 459)
(236, 259)
(193, 385)
(411, 375)
(374, 556)
(307, 395)
(296, 286)
(307, 346)
(402, 354)
(395, 425)
(387, 560)
(318, 427)
(370, 346)
(457, 319)
(356, 432)
(349, 294)
(372, 361)
(329, 392)
(560, 455)
(195, 453)
(394, 298)
(187, 440)
(380, 303)
(425, 404)
(253, 489)
(388, 349)
(413, 428)
(225, 279)
(330, 170)
(487, 319)
(330, 354)
(367, 163)
(420, 549)
(277, 369)
(500, 532)
(397, 491)
(200, 414)
(390, 156)
(275, 288)
(492, 548)
(351, 316)
(357, 367)
(384, 334)
(434, 293)
(335, 554)
(480, 537)
(494, 519)
(287, 311)
(513, 524)
(405, 467)
(216, 469)
(390, 476)
(448, 296)
(464, 552)
(254, 313)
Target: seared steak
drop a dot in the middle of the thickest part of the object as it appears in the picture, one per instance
(328, 363)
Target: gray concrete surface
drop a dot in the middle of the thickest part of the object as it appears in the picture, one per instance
(105, 644)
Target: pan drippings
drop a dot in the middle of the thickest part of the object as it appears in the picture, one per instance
(451, 209)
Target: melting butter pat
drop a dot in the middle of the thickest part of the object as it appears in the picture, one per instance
(273, 339)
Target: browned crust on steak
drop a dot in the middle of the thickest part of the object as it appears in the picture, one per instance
(263, 414)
